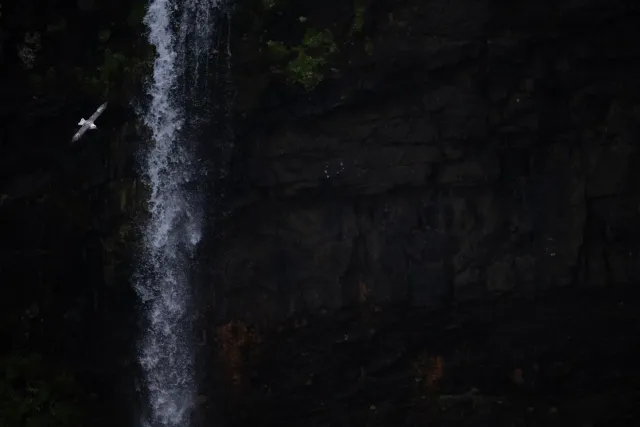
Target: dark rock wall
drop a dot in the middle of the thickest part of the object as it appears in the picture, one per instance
(65, 218)
(483, 147)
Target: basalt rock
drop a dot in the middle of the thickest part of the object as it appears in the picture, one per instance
(450, 151)
(480, 149)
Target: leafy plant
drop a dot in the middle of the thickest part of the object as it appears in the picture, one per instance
(306, 70)
(307, 60)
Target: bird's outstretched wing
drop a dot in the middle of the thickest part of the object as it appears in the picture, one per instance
(98, 112)
(80, 132)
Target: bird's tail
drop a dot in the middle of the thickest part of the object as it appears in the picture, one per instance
(81, 122)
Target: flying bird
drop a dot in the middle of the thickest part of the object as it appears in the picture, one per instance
(88, 124)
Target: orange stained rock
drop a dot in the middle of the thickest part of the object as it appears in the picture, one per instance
(435, 372)
(233, 339)
(431, 369)
(517, 376)
(363, 292)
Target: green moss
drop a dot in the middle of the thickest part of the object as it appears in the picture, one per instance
(368, 46)
(111, 67)
(118, 73)
(357, 26)
(277, 50)
(358, 18)
(34, 394)
(305, 70)
(306, 61)
(314, 39)
(123, 200)
(290, 40)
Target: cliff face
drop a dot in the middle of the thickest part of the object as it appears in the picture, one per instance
(415, 153)
(66, 306)
(473, 149)
(481, 147)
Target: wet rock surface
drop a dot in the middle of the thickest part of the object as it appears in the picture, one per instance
(565, 358)
(480, 149)
(492, 151)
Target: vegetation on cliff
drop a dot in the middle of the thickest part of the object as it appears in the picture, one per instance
(54, 56)
(65, 53)
(295, 45)
(34, 394)
(97, 54)
(305, 62)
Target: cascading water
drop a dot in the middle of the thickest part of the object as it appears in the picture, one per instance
(181, 32)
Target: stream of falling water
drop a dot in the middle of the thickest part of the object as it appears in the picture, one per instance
(181, 32)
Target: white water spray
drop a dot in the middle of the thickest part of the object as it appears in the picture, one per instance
(174, 227)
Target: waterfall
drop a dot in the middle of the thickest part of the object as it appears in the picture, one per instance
(182, 34)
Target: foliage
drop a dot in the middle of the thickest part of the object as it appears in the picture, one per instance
(113, 67)
(357, 26)
(306, 70)
(34, 395)
(368, 47)
(307, 60)
(277, 50)
(358, 19)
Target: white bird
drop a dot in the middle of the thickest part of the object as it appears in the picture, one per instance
(88, 124)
